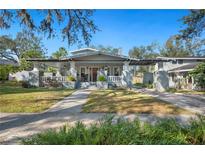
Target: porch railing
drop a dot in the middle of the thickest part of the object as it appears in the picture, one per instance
(64, 78)
(57, 78)
(114, 78)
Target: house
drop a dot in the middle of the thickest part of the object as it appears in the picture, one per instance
(176, 71)
(86, 65)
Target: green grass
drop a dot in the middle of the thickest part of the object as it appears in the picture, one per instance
(124, 133)
(127, 101)
(15, 99)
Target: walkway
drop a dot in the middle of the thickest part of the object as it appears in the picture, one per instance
(193, 103)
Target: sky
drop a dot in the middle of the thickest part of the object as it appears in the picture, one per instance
(122, 28)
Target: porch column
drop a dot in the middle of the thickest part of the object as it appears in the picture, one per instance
(72, 70)
(58, 69)
(161, 78)
(34, 76)
(126, 75)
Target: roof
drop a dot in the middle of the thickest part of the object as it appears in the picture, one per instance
(83, 50)
(184, 68)
(8, 62)
(46, 60)
(134, 61)
(188, 57)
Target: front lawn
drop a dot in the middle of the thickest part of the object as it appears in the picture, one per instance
(125, 101)
(15, 99)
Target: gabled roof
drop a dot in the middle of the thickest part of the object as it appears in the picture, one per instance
(83, 50)
(97, 53)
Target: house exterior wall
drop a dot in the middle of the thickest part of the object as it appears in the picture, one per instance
(179, 80)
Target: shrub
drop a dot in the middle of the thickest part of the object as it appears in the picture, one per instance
(102, 78)
(121, 131)
(25, 84)
(199, 75)
(71, 78)
(172, 90)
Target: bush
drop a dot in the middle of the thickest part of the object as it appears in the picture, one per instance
(172, 90)
(142, 85)
(71, 78)
(123, 132)
(12, 83)
(25, 84)
(102, 78)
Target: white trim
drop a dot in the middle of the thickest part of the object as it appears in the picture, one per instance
(184, 70)
(83, 49)
(190, 58)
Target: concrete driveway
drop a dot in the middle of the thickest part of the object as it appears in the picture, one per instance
(13, 127)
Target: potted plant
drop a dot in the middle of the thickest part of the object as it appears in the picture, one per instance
(102, 82)
(71, 82)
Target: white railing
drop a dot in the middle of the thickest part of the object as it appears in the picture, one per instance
(56, 78)
(114, 78)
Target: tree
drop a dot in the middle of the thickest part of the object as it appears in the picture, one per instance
(108, 49)
(176, 48)
(195, 24)
(61, 53)
(4, 71)
(25, 45)
(194, 31)
(74, 25)
(149, 51)
(199, 75)
(141, 52)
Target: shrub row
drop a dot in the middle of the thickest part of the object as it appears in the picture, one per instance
(124, 132)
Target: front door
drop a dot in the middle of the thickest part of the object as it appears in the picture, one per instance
(94, 74)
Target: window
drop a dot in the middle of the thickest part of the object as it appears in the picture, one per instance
(180, 61)
(174, 62)
(116, 71)
(108, 71)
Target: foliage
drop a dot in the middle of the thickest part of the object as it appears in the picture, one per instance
(141, 52)
(52, 69)
(172, 90)
(4, 71)
(102, 78)
(11, 83)
(71, 78)
(61, 53)
(25, 45)
(51, 82)
(142, 85)
(176, 48)
(123, 132)
(199, 75)
(194, 29)
(149, 51)
(25, 84)
(73, 24)
(108, 49)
